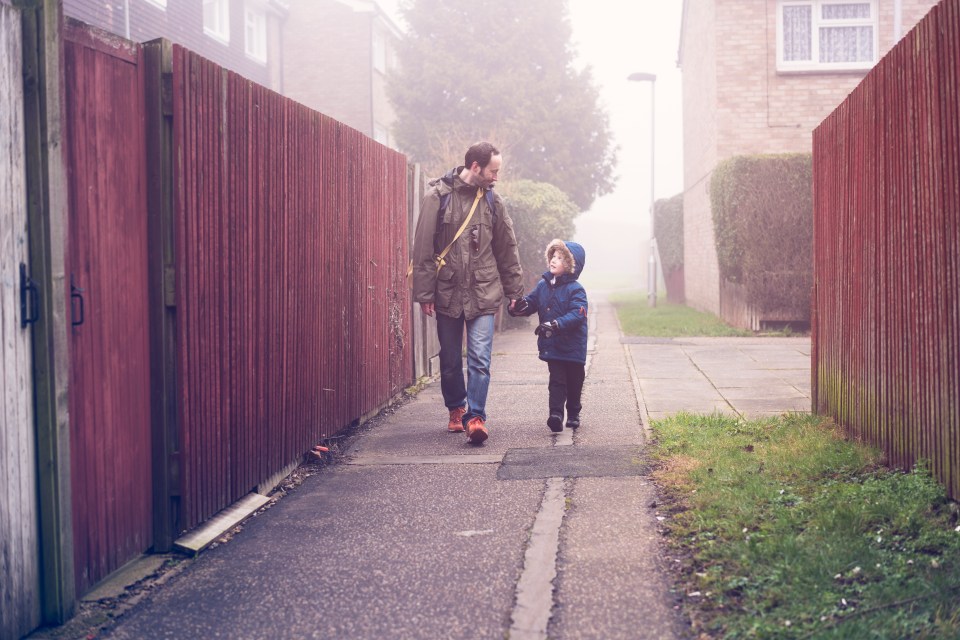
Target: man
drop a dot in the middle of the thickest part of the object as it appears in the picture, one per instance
(476, 269)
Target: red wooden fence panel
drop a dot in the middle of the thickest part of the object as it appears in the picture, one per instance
(886, 328)
(110, 455)
(291, 307)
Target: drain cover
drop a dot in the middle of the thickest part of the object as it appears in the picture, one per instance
(572, 462)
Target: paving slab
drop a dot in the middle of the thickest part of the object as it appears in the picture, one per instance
(601, 555)
(751, 377)
(769, 391)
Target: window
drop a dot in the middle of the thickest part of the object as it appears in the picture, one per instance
(158, 3)
(216, 19)
(379, 51)
(255, 34)
(823, 35)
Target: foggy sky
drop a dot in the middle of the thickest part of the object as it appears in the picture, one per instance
(616, 39)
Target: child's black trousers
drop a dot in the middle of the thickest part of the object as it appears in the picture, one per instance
(566, 384)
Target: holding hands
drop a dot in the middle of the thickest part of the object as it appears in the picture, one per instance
(518, 307)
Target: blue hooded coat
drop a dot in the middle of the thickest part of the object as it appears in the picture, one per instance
(564, 301)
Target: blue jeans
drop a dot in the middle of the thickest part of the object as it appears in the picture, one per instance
(479, 350)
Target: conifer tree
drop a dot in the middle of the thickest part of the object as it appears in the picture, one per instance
(501, 71)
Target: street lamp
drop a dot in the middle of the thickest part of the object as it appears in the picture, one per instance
(652, 259)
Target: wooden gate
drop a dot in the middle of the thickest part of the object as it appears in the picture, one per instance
(19, 556)
(107, 266)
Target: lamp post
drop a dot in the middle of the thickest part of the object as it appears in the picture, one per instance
(652, 259)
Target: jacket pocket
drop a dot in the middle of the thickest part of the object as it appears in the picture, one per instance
(446, 285)
(487, 288)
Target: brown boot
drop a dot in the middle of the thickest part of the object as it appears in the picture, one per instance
(476, 431)
(456, 420)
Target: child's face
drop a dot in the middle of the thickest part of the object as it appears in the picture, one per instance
(555, 265)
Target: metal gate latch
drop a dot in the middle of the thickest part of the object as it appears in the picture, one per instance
(29, 298)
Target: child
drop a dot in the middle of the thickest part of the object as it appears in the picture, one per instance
(561, 303)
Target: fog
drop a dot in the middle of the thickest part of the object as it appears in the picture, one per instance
(617, 38)
(613, 38)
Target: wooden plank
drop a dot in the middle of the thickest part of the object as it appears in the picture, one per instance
(201, 537)
(20, 591)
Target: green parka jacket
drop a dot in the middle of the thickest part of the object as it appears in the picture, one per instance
(482, 266)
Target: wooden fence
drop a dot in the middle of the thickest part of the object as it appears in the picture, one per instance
(232, 293)
(19, 549)
(886, 328)
(291, 311)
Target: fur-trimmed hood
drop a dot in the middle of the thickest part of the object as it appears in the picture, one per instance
(563, 301)
(572, 254)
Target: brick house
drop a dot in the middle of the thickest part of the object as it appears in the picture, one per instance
(758, 77)
(337, 56)
(332, 55)
(241, 35)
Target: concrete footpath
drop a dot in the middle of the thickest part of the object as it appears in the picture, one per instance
(532, 535)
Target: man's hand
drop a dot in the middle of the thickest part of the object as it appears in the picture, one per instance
(518, 307)
(427, 308)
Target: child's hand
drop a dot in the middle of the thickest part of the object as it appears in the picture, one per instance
(546, 329)
(519, 307)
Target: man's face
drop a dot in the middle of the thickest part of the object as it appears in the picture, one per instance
(487, 177)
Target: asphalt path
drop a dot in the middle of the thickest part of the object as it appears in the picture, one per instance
(418, 534)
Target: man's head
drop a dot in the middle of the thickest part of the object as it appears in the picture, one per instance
(481, 165)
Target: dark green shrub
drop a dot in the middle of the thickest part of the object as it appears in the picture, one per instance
(763, 224)
(668, 228)
(540, 213)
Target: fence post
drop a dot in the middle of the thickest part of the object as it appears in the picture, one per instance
(157, 69)
(814, 346)
(416, 318)
(46, 179)
(424, 343)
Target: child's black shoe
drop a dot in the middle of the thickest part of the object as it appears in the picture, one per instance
(555, 422)
(573, 422)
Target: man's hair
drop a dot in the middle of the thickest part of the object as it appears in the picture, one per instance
(480, 153)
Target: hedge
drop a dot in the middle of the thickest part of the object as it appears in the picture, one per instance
(763, 222)
(668, 228)
(540, 213)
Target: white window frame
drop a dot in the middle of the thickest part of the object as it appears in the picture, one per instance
(218, 27)
(255, 34)
(818, 23)
(161, 4)
(378, 44)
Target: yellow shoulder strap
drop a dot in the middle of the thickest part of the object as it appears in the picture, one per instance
(440, 259)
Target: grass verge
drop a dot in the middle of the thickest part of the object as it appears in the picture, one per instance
(667, 320)
(788, 530)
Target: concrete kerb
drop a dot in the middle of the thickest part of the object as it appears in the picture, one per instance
(635, 379)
